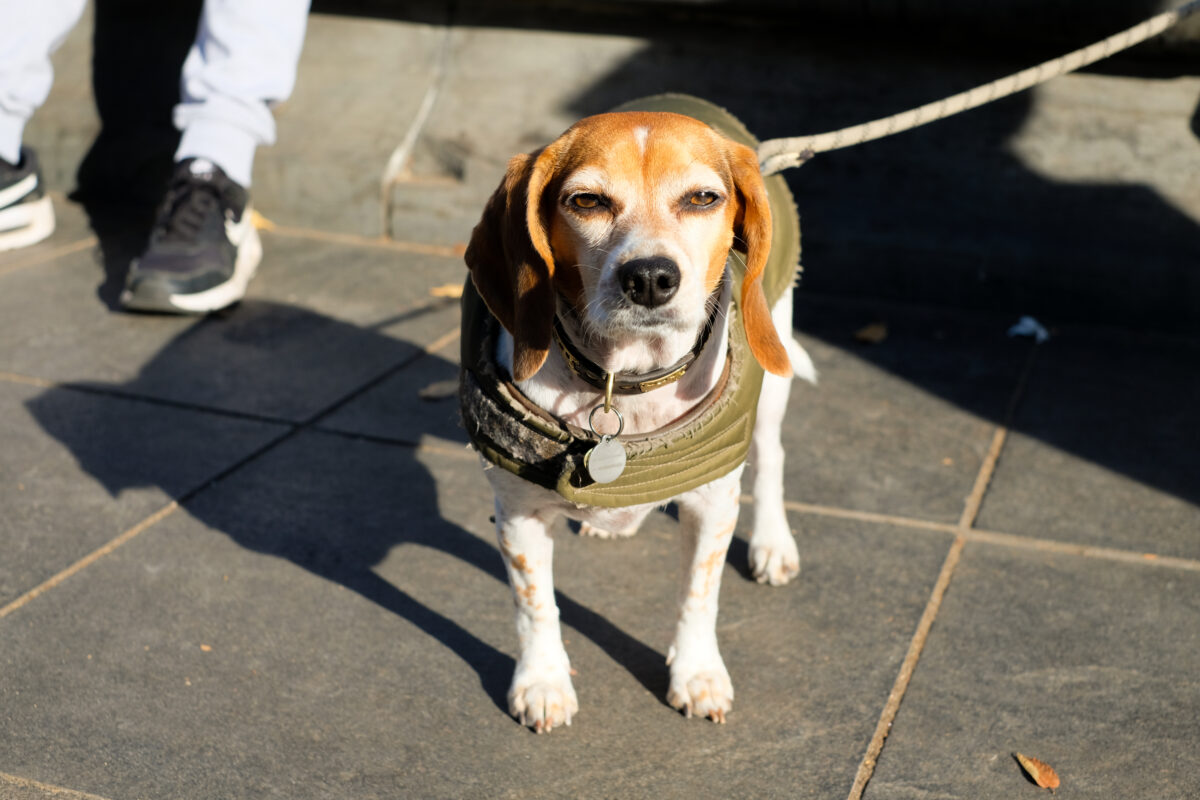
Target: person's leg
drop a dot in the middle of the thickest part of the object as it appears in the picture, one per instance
(204, 249)
(29, 33)
(244, 60)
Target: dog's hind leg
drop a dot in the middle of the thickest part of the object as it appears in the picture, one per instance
(541, 695)
(774, 557)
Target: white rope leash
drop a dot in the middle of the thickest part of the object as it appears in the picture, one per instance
(776, 155)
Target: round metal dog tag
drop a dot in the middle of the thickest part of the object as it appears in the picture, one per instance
(606, 461)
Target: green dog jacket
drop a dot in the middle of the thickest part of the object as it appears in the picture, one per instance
(706, 444)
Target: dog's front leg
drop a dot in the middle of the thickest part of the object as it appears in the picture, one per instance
(700, 683)
(541, 695)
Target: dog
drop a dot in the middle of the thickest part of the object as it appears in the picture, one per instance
(607, 263)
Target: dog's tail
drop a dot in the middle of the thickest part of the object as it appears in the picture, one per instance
(802, 364)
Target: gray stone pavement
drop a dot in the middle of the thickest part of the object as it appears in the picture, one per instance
(243, 558)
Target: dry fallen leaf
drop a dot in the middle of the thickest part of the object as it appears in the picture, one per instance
(447, 290)
(874, 333)
(1041, 772)
(260, 222)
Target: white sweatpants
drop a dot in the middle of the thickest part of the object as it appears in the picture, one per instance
(242, 61)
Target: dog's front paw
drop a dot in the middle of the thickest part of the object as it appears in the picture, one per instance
(700, 690)
(702, 694)
(542, 699)
(774, 558)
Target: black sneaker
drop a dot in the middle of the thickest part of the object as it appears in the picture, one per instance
(26, 215)
(203, 250)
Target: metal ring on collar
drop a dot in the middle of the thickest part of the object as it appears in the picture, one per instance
(613, 409)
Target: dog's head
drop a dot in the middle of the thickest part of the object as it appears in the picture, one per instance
(630, 218)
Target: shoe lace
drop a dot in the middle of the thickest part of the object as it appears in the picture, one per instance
(189, 203)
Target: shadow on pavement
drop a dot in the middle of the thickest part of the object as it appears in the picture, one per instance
(327, 502)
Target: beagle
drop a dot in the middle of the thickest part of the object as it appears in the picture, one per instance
(608, 262)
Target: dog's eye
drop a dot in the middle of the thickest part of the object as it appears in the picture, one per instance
(703, 198)
(585, 201)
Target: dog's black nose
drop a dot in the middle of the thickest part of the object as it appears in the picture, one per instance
(650, 281)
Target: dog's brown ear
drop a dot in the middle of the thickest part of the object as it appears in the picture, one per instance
(511, 263)
(753, 229)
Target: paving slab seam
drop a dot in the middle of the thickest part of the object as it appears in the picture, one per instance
(406, 313)
(988, 468)
(89, 559)
(104, 391)
(865, 516)
(27, 380)
(892, 706)
(49, 255)
(48, 788)
(191, 494)
(1001, 538)
(1131, 557)
(429, 349)
(455, 251)
(463, 451)
(974, 501)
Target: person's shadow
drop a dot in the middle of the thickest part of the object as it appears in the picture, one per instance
(332, 503)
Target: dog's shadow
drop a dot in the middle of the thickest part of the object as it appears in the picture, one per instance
(332, 503)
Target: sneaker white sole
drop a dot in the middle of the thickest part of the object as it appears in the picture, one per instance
(214, 299)
(26, 224)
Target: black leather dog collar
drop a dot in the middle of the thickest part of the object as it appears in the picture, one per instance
(625, 383)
